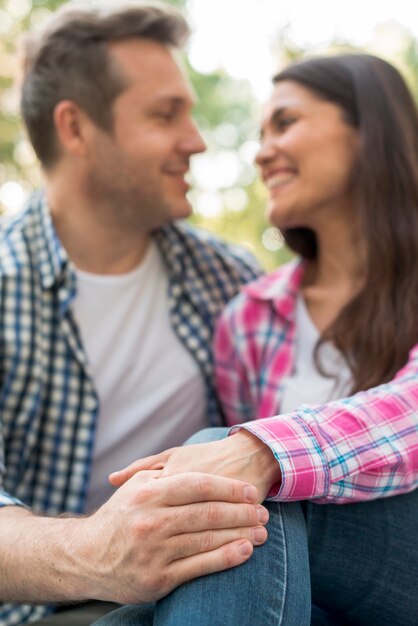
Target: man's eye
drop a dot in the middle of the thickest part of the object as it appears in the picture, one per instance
(285, 122)
(165, 115)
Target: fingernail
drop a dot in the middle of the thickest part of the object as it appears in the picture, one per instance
(250, 493)
(259, 534)
(262, 515)
(245, 548)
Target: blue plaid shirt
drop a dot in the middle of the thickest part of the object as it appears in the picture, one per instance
(49, 405)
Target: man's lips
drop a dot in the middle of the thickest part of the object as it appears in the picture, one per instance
(179, 175)
(180, 172)
(176, 169)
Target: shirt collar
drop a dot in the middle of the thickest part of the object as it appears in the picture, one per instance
(44, 250)
(169, 242)
(280, 287)
(53, 259)
(174, 242)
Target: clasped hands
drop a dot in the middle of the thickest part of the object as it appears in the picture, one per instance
(178, 515)
(241, 456)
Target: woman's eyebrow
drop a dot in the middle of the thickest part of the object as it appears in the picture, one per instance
(273, 118)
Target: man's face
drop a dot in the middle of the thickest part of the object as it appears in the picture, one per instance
(136, 173)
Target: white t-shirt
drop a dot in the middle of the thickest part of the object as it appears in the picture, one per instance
(151, 392)
(307, 385)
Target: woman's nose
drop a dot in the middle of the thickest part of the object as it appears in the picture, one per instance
(266, 151)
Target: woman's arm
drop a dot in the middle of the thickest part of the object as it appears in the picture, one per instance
(357, 448)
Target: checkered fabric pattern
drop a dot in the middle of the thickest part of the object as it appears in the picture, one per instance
(357, 448)
(48, 403)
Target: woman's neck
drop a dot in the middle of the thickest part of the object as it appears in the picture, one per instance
(337, 275)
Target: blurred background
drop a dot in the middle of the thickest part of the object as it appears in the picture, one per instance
(236, 47)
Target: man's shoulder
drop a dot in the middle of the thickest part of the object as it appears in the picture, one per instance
(14, 250)
(27, 242)
(210, 252)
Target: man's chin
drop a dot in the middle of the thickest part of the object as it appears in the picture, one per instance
(170, 212)
(180, 210)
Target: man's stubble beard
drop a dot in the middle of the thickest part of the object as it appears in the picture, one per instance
(127, 204)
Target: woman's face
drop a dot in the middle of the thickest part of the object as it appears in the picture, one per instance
(306, 158)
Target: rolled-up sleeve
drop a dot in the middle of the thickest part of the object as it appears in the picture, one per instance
(354, 449)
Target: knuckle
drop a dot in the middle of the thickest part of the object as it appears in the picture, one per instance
(213, 513)
(204, 486)
(146, 527)
(250, 515)
(207, 541)
(153, 584)
(144, 491)
(235, 489)
(158, 581)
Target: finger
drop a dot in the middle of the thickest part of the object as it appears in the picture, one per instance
(205, 516)
(225, 557)
(157, 461)
(185, 545)
(146, 475)
(194, 487)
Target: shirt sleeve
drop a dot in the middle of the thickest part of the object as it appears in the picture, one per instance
(358, 448)
(5, 498)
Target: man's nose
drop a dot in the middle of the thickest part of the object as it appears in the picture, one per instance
(192, 142)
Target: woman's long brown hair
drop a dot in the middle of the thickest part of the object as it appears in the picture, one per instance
(377, 328)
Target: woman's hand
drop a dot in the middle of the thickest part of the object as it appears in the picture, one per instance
(241, 456)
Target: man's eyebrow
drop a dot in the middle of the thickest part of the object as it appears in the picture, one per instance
(176, 101)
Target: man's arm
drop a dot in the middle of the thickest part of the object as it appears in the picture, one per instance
(151, 536)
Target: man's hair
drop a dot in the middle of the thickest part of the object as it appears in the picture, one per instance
(69, 59)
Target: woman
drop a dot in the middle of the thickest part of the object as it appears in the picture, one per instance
(324, 351)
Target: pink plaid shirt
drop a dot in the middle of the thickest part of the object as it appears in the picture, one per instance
(357, 448)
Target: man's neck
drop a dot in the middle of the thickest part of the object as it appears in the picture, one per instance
(91, 245)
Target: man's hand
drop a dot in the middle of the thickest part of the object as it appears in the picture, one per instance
(241, 456)
(151, 536)
(158, 534)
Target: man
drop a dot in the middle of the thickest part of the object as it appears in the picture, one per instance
(106, 318)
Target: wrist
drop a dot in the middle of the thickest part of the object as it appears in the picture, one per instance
(76, 557)
(260, 455)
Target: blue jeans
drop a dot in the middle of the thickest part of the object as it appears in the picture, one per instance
(361, 560)
(364, 562)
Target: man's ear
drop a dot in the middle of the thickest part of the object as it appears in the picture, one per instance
(71, 126)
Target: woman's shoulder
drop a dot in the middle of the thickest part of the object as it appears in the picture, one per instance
(276, 284)
(278, 289)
